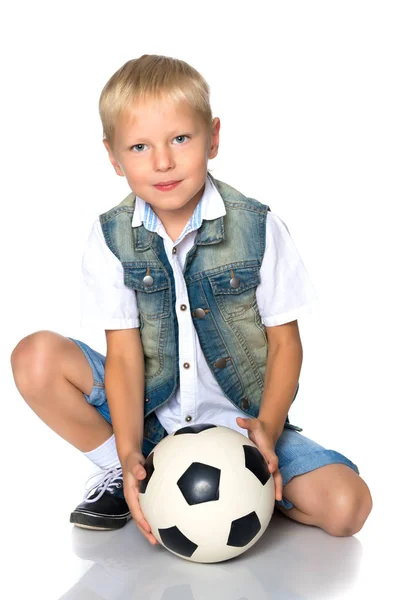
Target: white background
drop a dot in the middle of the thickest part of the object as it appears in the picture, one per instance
(308, 95)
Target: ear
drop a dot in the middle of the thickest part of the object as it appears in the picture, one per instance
(117, 167)
(214, 138)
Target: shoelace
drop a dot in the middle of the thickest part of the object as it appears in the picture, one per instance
(110, 480)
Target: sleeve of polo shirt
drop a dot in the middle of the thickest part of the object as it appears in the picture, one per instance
(285, 292)
(105, 300)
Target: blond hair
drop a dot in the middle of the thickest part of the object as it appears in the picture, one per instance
(152, 77)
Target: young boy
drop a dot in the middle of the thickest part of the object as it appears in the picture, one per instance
(195, 284)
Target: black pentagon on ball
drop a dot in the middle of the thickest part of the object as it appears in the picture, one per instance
(200, 483)
(194, 428)
(256, 463)
(243, 530)
(174, 540)
(149, 467)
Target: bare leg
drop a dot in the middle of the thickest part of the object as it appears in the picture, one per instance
(333, 497)
(51, 373)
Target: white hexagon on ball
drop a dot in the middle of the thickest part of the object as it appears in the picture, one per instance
(208, 495)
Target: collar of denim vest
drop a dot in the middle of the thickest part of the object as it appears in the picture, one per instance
(207, 218)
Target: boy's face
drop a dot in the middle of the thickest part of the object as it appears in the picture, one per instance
(160, 142)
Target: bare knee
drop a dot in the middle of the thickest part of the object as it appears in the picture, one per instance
(348, 511)
(34, 360)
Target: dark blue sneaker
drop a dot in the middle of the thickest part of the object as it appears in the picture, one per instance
(104, 506)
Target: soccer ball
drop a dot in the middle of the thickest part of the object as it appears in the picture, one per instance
(208, 495)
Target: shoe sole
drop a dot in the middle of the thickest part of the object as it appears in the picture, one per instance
(98, 522)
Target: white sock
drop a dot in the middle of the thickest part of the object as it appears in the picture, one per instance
(105, 456)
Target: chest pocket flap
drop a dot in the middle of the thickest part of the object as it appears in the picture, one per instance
(146, 278)
(151, 286)
(235, 280)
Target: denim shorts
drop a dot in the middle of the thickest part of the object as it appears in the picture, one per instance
(296, 453)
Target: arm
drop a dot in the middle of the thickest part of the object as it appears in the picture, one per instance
(284, 360)
(124, 384)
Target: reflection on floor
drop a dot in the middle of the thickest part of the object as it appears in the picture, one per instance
(291, 562)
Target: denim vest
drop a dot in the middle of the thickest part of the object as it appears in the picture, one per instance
(222, 271)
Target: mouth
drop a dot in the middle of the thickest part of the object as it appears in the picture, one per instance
(167, 185)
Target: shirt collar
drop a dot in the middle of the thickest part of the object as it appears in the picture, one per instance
(211, 206)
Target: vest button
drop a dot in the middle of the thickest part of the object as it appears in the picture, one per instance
(199, 313)
(148, 281)
(174, 250)
(186, 365)
(147, 400)
(220, 363)
(234, 282)
(245, 403)
(183, 307)
(188, 418)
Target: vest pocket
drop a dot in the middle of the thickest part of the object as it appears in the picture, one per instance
(234, 290)
(151, 286)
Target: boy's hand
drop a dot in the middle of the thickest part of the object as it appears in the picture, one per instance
(133, 472)
(258, 433)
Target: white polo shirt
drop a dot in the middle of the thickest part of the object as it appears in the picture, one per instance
(284, 294)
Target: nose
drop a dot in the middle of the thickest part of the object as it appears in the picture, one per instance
(163, 159)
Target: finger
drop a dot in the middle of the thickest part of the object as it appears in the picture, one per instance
(132, 500)
(272, 460)
(139, 518)
(149, 536)
(139, 472)
(278, 485)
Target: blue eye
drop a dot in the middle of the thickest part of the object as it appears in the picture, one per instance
(181, 136)
(137, 146)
